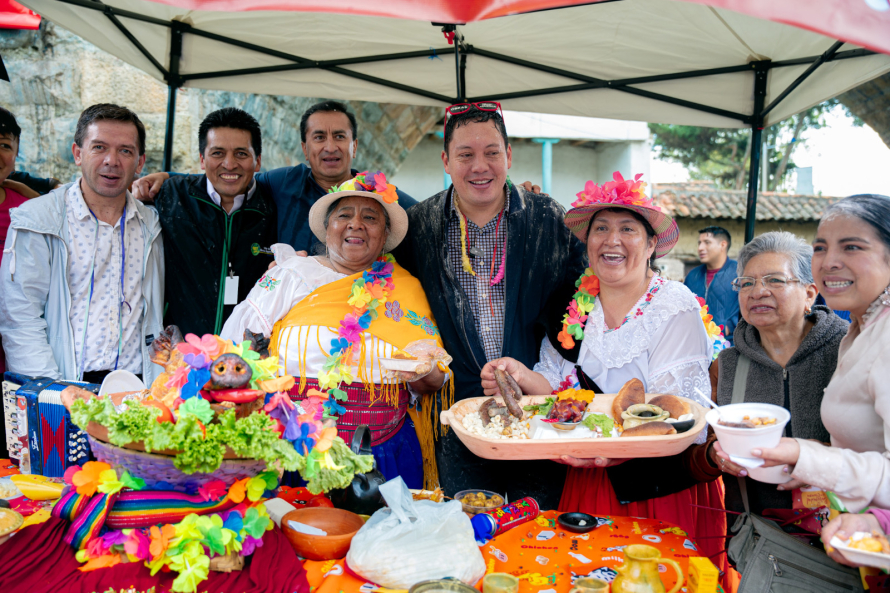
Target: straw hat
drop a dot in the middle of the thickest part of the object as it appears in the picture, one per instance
(626, 194)
(366, 185)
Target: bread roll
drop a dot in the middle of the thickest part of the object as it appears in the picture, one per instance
(650, 429)
(632, 393)
(673, 405)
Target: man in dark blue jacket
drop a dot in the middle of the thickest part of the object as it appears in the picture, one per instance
(713, 279)
(329, 141)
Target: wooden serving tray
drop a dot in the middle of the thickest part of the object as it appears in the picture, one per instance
(613, 447)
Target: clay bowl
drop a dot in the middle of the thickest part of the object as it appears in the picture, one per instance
(340, 526)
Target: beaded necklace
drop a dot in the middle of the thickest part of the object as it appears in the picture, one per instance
(464, 239)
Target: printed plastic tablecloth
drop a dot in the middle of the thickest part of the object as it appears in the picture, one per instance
(545, 557)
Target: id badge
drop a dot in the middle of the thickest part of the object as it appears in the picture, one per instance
(231, 291)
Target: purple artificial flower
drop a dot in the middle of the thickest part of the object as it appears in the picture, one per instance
(250, 544)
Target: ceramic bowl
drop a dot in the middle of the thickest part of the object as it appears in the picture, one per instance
(572, 522)
(341, 526)
(740, 441)
(566, 426)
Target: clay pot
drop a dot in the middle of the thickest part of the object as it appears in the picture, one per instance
(340, 526)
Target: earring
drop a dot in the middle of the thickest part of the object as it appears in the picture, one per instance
(807, 312)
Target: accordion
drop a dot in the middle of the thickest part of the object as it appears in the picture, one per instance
(45, 440)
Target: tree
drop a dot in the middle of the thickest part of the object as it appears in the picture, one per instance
(723, 155)
(871, 102)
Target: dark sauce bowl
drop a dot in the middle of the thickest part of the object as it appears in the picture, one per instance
(572, 522)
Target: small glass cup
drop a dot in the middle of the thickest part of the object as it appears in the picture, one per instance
(500, 582)
(590, 585)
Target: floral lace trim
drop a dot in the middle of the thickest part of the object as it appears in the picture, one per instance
(619, 347)
(883, 300)
(654, 286)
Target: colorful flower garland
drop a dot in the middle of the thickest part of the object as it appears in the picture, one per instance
(579, 308)
(715, 332)
(185, 547)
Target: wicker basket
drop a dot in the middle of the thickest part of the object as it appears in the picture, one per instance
(154, 468)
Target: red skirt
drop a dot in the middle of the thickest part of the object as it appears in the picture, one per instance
(590, 491)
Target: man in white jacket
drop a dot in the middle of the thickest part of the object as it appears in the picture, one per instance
(82, 281)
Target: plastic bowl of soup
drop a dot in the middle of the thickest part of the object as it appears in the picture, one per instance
(739, 441)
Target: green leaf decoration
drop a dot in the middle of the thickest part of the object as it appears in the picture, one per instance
(198, 407)
(132, 482)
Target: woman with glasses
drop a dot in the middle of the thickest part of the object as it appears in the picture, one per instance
(851, 265)
(790, 346)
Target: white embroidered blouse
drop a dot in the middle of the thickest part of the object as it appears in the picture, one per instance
(662, 342)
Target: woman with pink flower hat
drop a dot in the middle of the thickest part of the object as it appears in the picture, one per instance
(620, 321)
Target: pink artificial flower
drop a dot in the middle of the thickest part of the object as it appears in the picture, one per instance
(180, 377)
(350, 328)
(213, 490)
(97, 547)
(137, 544)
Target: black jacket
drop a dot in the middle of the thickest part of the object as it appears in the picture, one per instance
(200, 242)
(542, 254)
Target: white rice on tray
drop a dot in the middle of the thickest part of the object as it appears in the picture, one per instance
(518, 429)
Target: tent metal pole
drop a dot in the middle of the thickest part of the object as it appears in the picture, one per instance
(460, 92)
(761, 71)
(173, 82)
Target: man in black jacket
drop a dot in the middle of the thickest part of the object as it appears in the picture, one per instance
(214, 224)
(489, 254)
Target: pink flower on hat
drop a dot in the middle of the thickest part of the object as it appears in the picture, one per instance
(618, 191)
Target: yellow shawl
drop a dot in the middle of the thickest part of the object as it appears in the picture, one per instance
(404, 318)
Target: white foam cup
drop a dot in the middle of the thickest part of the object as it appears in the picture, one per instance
(740, 441)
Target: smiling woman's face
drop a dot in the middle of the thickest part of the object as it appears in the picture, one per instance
(356, 233)
(619, 248)
(773, 308)
(851, 265)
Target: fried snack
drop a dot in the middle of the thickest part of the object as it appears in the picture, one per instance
(632, 393)
(673, 405)
(876, 542)
(649, 429)
(402, 355)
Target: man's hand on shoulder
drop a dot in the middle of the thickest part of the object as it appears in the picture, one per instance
(20, 188)
(530, 187)
(145, 189)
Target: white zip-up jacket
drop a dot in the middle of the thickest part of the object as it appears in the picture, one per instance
(35, 300)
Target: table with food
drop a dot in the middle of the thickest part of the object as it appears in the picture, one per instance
(176, 487)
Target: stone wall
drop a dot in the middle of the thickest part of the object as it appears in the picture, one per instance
(55, 74)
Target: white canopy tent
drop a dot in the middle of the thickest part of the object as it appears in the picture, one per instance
(653, 60)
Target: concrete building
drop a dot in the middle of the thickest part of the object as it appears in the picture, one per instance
(698, 204)
(558, 152)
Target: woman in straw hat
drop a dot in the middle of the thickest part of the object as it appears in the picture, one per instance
(332, 319)
(620, 321)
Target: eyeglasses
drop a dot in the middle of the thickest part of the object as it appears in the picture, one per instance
(769, 282)
(459, 108)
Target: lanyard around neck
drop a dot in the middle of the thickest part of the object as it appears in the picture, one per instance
(122, 300)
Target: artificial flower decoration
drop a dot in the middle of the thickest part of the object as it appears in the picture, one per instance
(372, 182)
(579, 308)
(213, 490)
(108, 482)
(303, 443)
(208, 345)
(617, 191)
(198, 407)
(238, 491)
(715, 332)
(197, 378)
(160, 537)
(132, 482)
(179, 378)
(326, 440)
(87, 479)
(100, 562)
(256, 522)
(277, 385)
(137, 545)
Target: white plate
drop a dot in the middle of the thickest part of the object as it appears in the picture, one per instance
(874, 559)
(9, 488)
(399, 364)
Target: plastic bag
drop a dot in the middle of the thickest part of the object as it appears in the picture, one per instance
(427, 354)
(413, 541)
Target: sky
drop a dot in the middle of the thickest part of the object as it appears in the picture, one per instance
(846, 160)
